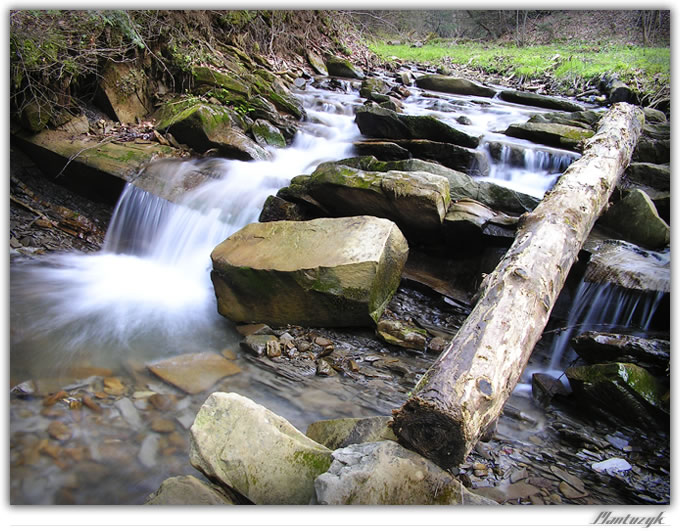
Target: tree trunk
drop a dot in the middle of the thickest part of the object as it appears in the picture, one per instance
(466, 388)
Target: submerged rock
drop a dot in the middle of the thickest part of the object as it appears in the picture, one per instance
(194, 373)
(454, 85)
(188, 490)
(385, 473)
(244, 446)
(338, 433)
(324, 272)
(636, 219)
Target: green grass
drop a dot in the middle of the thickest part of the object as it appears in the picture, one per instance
(565, 63)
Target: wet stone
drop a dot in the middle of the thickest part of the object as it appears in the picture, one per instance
(194, 373)
(570, 492)
(59, 430)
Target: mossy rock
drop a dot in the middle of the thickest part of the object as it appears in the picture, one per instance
(622, 389)
(372, 85)
(287, 103)
(316, 62)
(339, 67)
(35, 117)
(211, 76)
(551, 134)
(323, 272)
(266, 134)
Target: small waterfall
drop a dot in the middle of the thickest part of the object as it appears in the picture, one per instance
(525, 168)
(602, 307)
(151, 281)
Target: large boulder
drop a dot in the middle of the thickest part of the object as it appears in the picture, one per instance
(323, 272)
(188, 490)
(379, 122)
(657, 176)
(624, 390)
(124, 92)
(244, 446)
(551, 134)
(540, 100)
(203, 126)
(417, 201)
(339, 67)
(454, 85)
(636, 219)
(385, 473)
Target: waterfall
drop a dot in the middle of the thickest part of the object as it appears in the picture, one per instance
(602, 307)
(150, 283)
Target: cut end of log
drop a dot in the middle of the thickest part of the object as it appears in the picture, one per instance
(421, 427)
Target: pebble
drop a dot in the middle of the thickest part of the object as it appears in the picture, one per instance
(519, 475)
(322, 341)
(149, 450)
(612, 466)
(163, 402)
(569, 478)
(273, 349)
(555, 499)
(60, 431)
(113, 386)
(163, 425)
(617, 442)
(129, 412)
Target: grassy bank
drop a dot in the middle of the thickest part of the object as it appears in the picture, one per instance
(567, 66)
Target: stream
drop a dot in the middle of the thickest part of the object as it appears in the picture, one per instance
(90, 322)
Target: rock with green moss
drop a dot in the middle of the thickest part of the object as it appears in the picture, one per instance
(267, 135)
(188, 490)
(385, 473)
(372, 85)
(402, 334)
(622, 389)
(34, 117)
(551, 134)
(317, 63)
(339, 67)
(204, 75)
(203, 126)
(636, 219)
(245, 447)
(415, 200)
(540, 100)
(454, 85)
(338, 433)
(323, 272)
(584, 119)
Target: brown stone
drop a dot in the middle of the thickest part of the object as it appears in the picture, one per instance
(59, 430)
(163, 425)
(163, 402)
(194, 373)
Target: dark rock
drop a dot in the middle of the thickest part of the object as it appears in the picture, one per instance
(379, 122)
(657, 176)
(277, 209)
(636, 219)
(545, 387)
(621, 389)
(599, 347)
(381, 149)
(538, 100)
(340, 67)
(454, 85)
(452, 156)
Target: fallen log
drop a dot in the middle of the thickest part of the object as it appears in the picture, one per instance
(466, 388)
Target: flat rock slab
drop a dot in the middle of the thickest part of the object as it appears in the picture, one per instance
(454, 85)
(323, 272)
(187, 490)
(194, 373)
(243, 445)
(385, 473)
(539, 100)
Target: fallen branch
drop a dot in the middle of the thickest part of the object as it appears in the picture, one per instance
(466, 388)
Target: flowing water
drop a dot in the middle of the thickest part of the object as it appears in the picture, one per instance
(147, 294)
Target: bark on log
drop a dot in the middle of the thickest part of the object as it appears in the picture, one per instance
(466, 388)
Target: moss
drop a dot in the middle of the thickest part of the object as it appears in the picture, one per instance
(315, 462)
